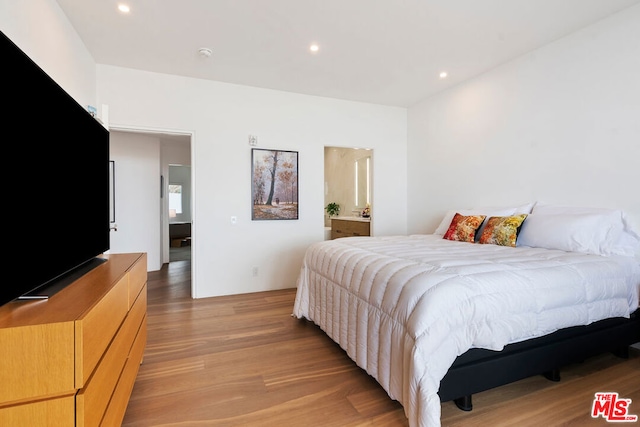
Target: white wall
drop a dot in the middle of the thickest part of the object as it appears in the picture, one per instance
(44, 33)
(137, 196)
(558, 125)
(220, 118)
(176, 152)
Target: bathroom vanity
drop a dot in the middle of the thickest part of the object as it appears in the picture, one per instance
(347, 226)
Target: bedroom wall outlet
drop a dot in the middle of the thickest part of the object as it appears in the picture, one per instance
(253, 140)
(234, 220)
(254, 271)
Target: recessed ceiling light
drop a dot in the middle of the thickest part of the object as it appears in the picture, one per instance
(314, 48)
(123, 8)
(443, 75)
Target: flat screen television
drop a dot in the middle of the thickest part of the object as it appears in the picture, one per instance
(55, 180)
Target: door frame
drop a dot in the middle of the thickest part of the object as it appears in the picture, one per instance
(164, 207)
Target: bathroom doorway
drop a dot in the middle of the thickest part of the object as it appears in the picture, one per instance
(348, 181)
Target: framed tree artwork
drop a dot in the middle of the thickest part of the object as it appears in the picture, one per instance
(274, 184)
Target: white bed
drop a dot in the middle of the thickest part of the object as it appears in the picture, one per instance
(404, 307)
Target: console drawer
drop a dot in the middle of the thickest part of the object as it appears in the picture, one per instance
(37, 360)
(41, 413)
(96, 329)
(92, 401)
(120, 399)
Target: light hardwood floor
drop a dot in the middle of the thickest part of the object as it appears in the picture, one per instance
(244, 361)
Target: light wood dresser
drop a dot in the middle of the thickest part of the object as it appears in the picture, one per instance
(347, 226)
(72, 360)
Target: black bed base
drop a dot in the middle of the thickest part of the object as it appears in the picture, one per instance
(479, 369)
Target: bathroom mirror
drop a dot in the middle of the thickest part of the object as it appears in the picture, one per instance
(362, 183)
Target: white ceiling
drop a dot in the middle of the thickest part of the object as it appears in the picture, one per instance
(380, 51)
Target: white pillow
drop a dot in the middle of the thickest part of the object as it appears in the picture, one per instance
(600, 232)
(623, 241)
(445, 223)
(488, 211)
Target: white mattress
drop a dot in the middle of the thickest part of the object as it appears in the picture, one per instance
(404, 307)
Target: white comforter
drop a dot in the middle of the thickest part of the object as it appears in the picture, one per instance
(404, 307)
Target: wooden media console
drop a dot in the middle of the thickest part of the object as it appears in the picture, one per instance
(72, 360)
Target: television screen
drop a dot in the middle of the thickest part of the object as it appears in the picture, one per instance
(56, 178)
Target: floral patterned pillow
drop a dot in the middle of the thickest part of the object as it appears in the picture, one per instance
(464, 228)
(502, 230)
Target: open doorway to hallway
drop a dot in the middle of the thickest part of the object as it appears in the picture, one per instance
(142, 159)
